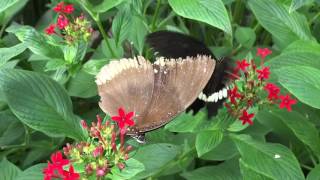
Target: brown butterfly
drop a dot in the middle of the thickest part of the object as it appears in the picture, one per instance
(156, 93)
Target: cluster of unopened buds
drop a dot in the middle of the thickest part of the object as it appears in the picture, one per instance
(249, 88)
(70, 28)
(96, 156)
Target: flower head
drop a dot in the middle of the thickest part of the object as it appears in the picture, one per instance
(234, 94)
(263, 73)
(246, 118)
(62, 22)
(242, 65)
(273, 91)
(68, 9)
(59, 7)
(50, 29)
(71, 174)
(263, 52)
(286, 102)
(123, 119)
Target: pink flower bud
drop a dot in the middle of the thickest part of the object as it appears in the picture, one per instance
(84, 124)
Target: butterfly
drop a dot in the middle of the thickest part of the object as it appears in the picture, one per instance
(156, 92)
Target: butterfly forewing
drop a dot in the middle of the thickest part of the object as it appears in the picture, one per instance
(156, 93)
(127, 83)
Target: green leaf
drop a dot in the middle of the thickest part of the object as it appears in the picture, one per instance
(249, 173)
(301, 79)
(245, 36)
(32, 173)
(55, 64)
(7, 13)
(301, 127)
(284, 26)
(269, 160)
(40, 102)
(223, 151)
(5, 4)
(105, 5)
(93, 66)
(35, 41)
(82, 85)
(226, 170)
(137, 33)
(296, 4)
(132, 168)
(211, 12)
(11, 130)
(7, 53)
(297, 55)
(121, 25)
(154, 157)
(314, 174)
(8, 170)
(186, 122)
(208, 140)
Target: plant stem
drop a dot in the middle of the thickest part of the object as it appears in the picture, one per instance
(104, 35)
(306, 166)
(155, 16)
(314, 18)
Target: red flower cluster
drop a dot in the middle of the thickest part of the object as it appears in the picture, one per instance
(55, 170)
(251, 85)
(71, 29)
(62, 21)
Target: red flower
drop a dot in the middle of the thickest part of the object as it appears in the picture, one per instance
(246, 118)
(123, 119)
(68, 9)
(98, 151)
(286, 102)
(264, 73)
(273, 91)
(242, 65)
(62, 22)
(233, 95)
(263, 52)
(48, 171)
(59, 7)
(50, 29)
(57, 159)
(71, 175)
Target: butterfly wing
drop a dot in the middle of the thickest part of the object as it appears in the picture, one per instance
(126, 83)
(177, 83)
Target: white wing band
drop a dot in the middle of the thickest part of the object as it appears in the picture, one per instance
(215, 97)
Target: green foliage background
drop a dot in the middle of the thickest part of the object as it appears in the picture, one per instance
(46, 86)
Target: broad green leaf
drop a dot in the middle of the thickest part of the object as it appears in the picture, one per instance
(249, 173)
(299, 53)
(301, 79)
(32, 173)
(40, 102)
(245, 36)
(154, 157)
(7, 53)
(82, 85)
(4, 4)
(121, 25)
(7, 13)
(284, 26)
(314, 174)
(8, 171)
(105, 5)
(11, 130)
(296, 4)
(93, 66)
(226, 170)
(301, 127)
(133, 167)
(35, 41)
(212, 12)
(137, 33)
(55, 64)
(223, 151)
(208, 140)
(186, 122)
(269, 160)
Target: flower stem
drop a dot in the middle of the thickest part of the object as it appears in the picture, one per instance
(314, 18)
(155, 16)
(104, 35)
